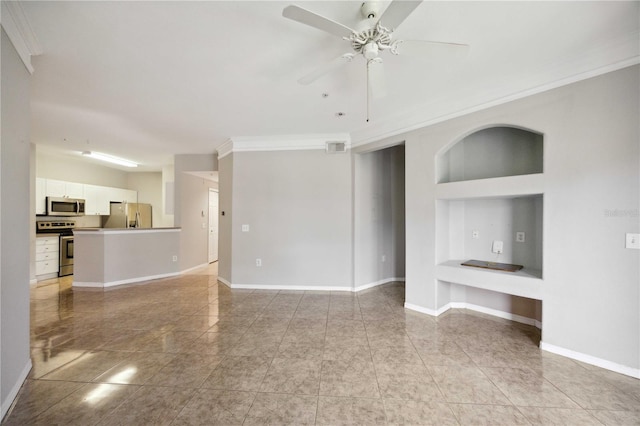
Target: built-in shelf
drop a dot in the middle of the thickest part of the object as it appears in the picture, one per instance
(525, 282)
(510, 186)
(490, 187)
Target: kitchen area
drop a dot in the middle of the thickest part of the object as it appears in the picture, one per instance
(67, 211)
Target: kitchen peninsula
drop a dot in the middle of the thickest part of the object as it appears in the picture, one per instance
(107, 257)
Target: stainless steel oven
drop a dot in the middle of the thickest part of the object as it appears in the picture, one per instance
(66, 255)
(65, 229)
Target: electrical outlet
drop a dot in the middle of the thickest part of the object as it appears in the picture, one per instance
(175, 258)
(633, 241)
(384, 258)
(520, 237)
(258, 262)
(496, 247)
(245, 228)
(475, 235)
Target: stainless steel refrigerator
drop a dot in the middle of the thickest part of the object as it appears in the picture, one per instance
(129, 215)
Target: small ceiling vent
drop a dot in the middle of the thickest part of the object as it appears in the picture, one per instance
(336, 147)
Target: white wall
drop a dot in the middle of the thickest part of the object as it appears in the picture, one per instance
(62, 167)
(298, 207)
(379, 216)
(15, 219)
(591, 301)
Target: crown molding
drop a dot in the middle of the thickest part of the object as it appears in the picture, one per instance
(624, 47)
(225, 149)
(281, 143)
(16, 25)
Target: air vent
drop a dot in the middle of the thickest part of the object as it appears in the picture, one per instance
(336, 147)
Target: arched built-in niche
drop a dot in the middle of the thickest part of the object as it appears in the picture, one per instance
(490, 188)
(492, 152)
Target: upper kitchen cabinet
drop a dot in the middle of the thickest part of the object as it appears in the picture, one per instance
(41, 195)
(59, 188)
(96, 201)
(97, 198)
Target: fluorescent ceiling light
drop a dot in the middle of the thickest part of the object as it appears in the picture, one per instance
(109, 158)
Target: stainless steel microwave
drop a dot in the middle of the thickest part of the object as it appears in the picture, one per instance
(60, 206)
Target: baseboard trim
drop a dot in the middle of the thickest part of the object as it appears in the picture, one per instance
(477, 308)
(306, 287)
(13, 393)
(193, 268)
(423, 310)
(88, 284)
(223, 281)
(588, 359)
(33, 282)
(496, 313)
(289, 287)
(377, 283)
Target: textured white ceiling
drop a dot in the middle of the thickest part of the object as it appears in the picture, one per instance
(147, 80)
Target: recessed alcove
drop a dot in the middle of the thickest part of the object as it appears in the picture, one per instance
(491, 188)
(490, 153)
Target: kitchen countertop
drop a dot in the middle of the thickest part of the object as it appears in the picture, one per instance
(112, 230)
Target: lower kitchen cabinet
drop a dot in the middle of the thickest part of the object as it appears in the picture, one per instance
(47, 252)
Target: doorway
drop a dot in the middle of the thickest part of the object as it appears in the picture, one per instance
(213, 225)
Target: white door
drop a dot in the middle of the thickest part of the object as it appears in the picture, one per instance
(213, 225)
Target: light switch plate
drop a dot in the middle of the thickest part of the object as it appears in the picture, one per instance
(633, 241)
(497, 247)
(475, 234)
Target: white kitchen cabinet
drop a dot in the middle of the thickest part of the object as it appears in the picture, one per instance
(47, 255)
(96, 199)
(60, 188)
(119, 194)
(41, 196)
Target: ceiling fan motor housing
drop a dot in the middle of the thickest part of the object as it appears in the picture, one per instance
(369, 9)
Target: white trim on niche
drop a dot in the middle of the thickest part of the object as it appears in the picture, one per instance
(477, 308)
(281, 143)
(588, 359)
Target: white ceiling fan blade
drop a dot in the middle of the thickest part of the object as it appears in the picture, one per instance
(327, 68)
(397, 12)
(432, 50)
(376, 79)
(304, 16)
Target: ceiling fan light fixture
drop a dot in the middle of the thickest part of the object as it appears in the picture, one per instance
(109, 158)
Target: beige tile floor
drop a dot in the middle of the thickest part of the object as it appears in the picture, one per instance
(189, 351)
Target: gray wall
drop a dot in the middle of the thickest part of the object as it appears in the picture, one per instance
(591, 161)
(14, 223)
(298, 207)
(379, 216)
(192, 206)
(149, 188)
(225, 224)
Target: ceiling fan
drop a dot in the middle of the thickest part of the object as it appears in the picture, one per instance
(373, 35)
